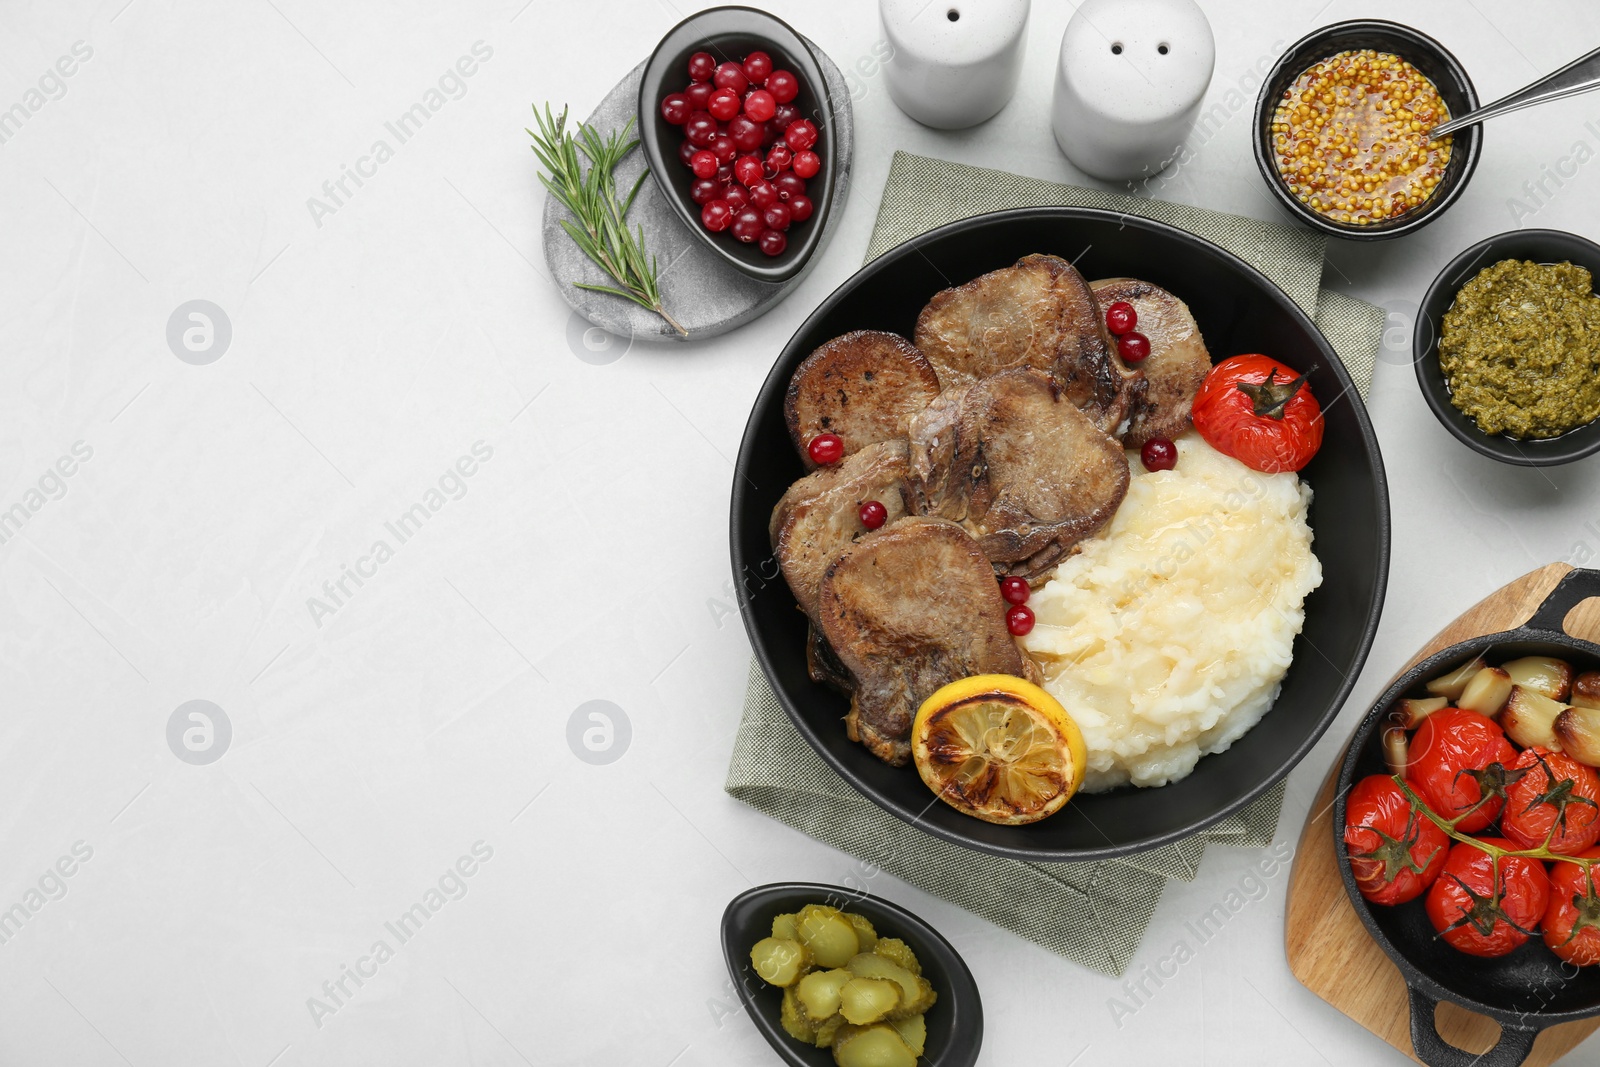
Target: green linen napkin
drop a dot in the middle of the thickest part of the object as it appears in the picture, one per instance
(1092, 913)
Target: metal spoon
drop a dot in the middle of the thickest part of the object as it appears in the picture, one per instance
(1579, 76)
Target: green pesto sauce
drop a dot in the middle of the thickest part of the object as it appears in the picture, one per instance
(1520, 349)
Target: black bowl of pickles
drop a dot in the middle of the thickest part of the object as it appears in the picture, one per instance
(836, 978)
(1507, 348)
(1341, 127)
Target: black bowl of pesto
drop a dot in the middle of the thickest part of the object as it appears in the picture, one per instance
(1507, 348)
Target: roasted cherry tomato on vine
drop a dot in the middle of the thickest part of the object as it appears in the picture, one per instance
(1552, 796)
(1396, 852)
(1259, 412)
(1485, 906)
(1572, 918)
(1462, 763)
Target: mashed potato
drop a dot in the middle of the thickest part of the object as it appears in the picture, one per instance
(1168, 636)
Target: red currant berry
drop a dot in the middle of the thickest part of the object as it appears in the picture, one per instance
(757, 66)
(1019, 620)
(686, 152)
(747, 169)
(777, 216)
(826, 448)
(738, 198)
(1121, 317)
(731, 76)
(698, 95)
(746, 133)
(760, 106)
(783, 86)
(722, 147)
(701, 128)
(748, 226)
(779, 156)
(799, 208)
(806, 164)
(1159, 454)
(704, 190)
(789, 185)
(704, 164)
(724, 104)
(716, 216)
(1015, 590)
(873, 514)
(763, 194)
(785, 116)
(675, 109)
(773, 242)
(801, 134)
(1133, 347)
(701, 67)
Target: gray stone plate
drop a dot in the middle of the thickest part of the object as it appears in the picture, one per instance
(703, 292)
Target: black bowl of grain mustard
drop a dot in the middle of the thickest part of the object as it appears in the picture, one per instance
(1507, 347)
(1341, 130)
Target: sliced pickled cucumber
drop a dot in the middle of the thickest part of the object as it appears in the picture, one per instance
(865, 934)
(819, 992)
(871, 1046)
(898, 952)
(913, 1030)
(828, 1029)
(783, 926)
(780, 961)
(793, 1018)
(867, 1000)
(827, 934)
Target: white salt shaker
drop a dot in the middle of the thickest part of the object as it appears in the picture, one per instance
(956, 62)
(1131, 76)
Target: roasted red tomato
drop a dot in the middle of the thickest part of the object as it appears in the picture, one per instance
(1484, 911)
(1259, 412)
(1572, 919)
(1395, 851)
(1551, 795)
(1462, 761)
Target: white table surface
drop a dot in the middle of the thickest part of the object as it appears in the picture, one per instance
(585, 559)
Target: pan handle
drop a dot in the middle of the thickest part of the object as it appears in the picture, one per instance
(1515, 1043)
(1579, 585)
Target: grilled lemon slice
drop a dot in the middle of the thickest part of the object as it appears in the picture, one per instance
(999, 749)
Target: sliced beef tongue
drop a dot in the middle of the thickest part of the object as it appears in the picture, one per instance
(906, 610)
(1041, 314)
(1177, 364)
(864, 386)
(1023, 471)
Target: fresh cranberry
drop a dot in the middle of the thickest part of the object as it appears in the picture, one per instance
(873, 514)
(1019, 620)
(704, 164)
(724, 175)
(757, 67)
(716, 216)
(800, 208)
(779, 157)
(686, 152)
(724, 104)
(789, 185)
(704, 190)
(1133, 347)
(722, 147)
(785, 116)
(1015, 590)
(806, 164)
(747, 169)
(760, 106)
(826, 449)
(1159, 454)
(699, 95)
(763, 194)
(748, 225)
(738, 198)
(746, 132)
(773, 242)
(731, 76)
(801, 134)
(1121, 318)
(675, 109)
(777, 216)
(771, 133)
(783, 86)
(701, 67)
(701, 128)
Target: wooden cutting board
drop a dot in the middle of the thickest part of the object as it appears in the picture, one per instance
(1328, 948)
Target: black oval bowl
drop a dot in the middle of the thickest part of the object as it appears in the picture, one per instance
(1239, 310)
(1539, 246)
(1530, 989)
(955, 1022)
(731, 33)
(1428, 56)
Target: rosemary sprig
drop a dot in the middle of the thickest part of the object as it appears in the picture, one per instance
(601, 231)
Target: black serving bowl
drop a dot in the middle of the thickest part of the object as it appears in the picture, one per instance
(955, 1022)
(1238, 310)
(731, 33)
(1530, 989)
(1428, 56)
(1538, 246)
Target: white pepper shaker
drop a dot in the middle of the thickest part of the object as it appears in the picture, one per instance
(1131, 76)
(956, 62)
